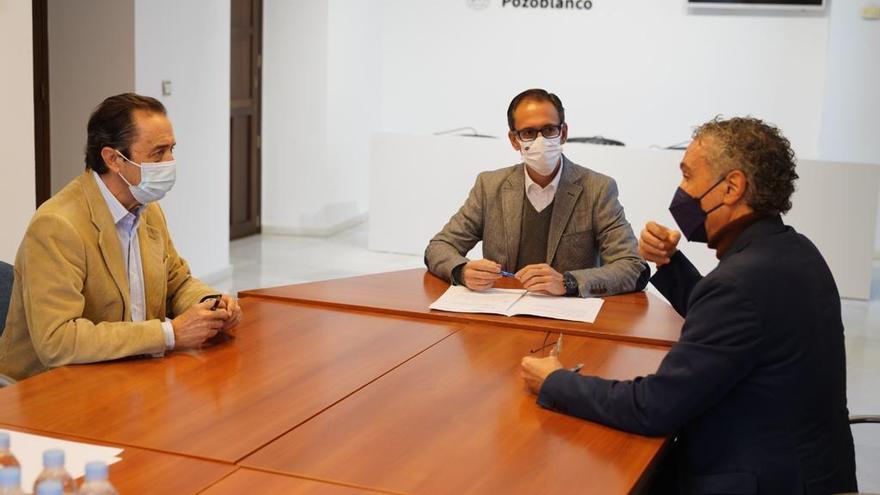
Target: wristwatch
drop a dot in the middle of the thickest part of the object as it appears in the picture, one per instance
(571, 284)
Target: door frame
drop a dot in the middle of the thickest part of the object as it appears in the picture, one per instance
(42, 149)
(255, 227)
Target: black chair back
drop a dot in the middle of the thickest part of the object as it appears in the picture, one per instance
(6, 277)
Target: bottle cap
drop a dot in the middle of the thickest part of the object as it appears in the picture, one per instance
(53, 458)
(96, 470)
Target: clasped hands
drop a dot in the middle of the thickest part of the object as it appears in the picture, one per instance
(540, 278)
(200, 322)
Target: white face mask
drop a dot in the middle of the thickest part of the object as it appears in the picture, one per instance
(542, 154)
(156, 180)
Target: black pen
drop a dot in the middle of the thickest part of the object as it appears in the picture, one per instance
(215, 297)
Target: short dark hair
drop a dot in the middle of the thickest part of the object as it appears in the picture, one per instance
(534, 94)
(763, 154)
(112, 124)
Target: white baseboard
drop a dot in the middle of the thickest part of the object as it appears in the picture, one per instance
(316, 231)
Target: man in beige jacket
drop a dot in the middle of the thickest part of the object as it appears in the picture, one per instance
(97, 277)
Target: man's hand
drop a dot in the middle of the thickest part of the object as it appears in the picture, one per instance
(542, 278)
(658, 243)
(198, 324)
(233, 310)
(480, 274)
(535, 371)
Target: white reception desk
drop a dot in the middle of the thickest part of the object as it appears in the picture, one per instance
(418, 182)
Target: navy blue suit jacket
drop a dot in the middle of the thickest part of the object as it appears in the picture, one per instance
(756, 386)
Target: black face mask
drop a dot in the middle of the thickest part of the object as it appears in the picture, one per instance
(689, 215)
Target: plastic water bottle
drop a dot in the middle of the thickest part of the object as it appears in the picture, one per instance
(49, 487)
(96, 480)
(53, 469)
(10, 481)
(6, 457)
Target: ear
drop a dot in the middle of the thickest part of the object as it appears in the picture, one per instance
(513, 140)
(563, 137)
(111, 159)
(737, 183)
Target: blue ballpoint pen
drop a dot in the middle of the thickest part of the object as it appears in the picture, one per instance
(507, 274)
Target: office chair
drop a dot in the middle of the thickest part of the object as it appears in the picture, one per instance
(595, 140)
(861, 419)
(854, 420)
(6, 277)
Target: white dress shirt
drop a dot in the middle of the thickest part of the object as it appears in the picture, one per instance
(127, 230)
(541, 197)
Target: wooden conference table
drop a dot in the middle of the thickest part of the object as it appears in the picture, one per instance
(317, 397)
(639, 317)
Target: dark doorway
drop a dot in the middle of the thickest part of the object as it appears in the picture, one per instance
(41, 101)
(244, 121)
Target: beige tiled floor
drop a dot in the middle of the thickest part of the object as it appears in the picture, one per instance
(265, 261)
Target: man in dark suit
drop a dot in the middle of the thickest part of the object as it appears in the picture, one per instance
(756, 387)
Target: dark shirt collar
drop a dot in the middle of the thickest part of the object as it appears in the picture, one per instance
(725, 238)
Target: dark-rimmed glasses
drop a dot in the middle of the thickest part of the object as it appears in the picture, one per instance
(555, 346)
(530, 134)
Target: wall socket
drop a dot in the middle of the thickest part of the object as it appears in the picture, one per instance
(166, 88)
(871, 12)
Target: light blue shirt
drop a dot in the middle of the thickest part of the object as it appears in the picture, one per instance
(127, 230)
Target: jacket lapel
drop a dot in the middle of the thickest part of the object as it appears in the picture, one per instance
(512, 192)
(566, 198)
(108, 239)
(153, 261)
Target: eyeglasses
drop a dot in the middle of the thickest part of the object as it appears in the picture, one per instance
(556, 346)
(530, 134)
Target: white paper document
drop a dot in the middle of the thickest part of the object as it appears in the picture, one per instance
(510, 302)
(28, 449)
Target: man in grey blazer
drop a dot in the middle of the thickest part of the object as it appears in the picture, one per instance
(557, 225)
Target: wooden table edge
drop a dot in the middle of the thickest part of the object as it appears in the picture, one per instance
(446, 316)
(641, 484)
(371, 489)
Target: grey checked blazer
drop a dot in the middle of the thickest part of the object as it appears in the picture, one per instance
(589, 235)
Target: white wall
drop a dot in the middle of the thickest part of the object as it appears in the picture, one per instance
(16, 125)
(851, 117)
(320, 105)
(188, 44)
(353, 104)
(91, 50)
(294, 114)
(642, 71)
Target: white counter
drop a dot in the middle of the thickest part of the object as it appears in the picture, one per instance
(418, 182)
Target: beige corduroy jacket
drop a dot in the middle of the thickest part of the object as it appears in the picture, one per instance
(70, 299)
